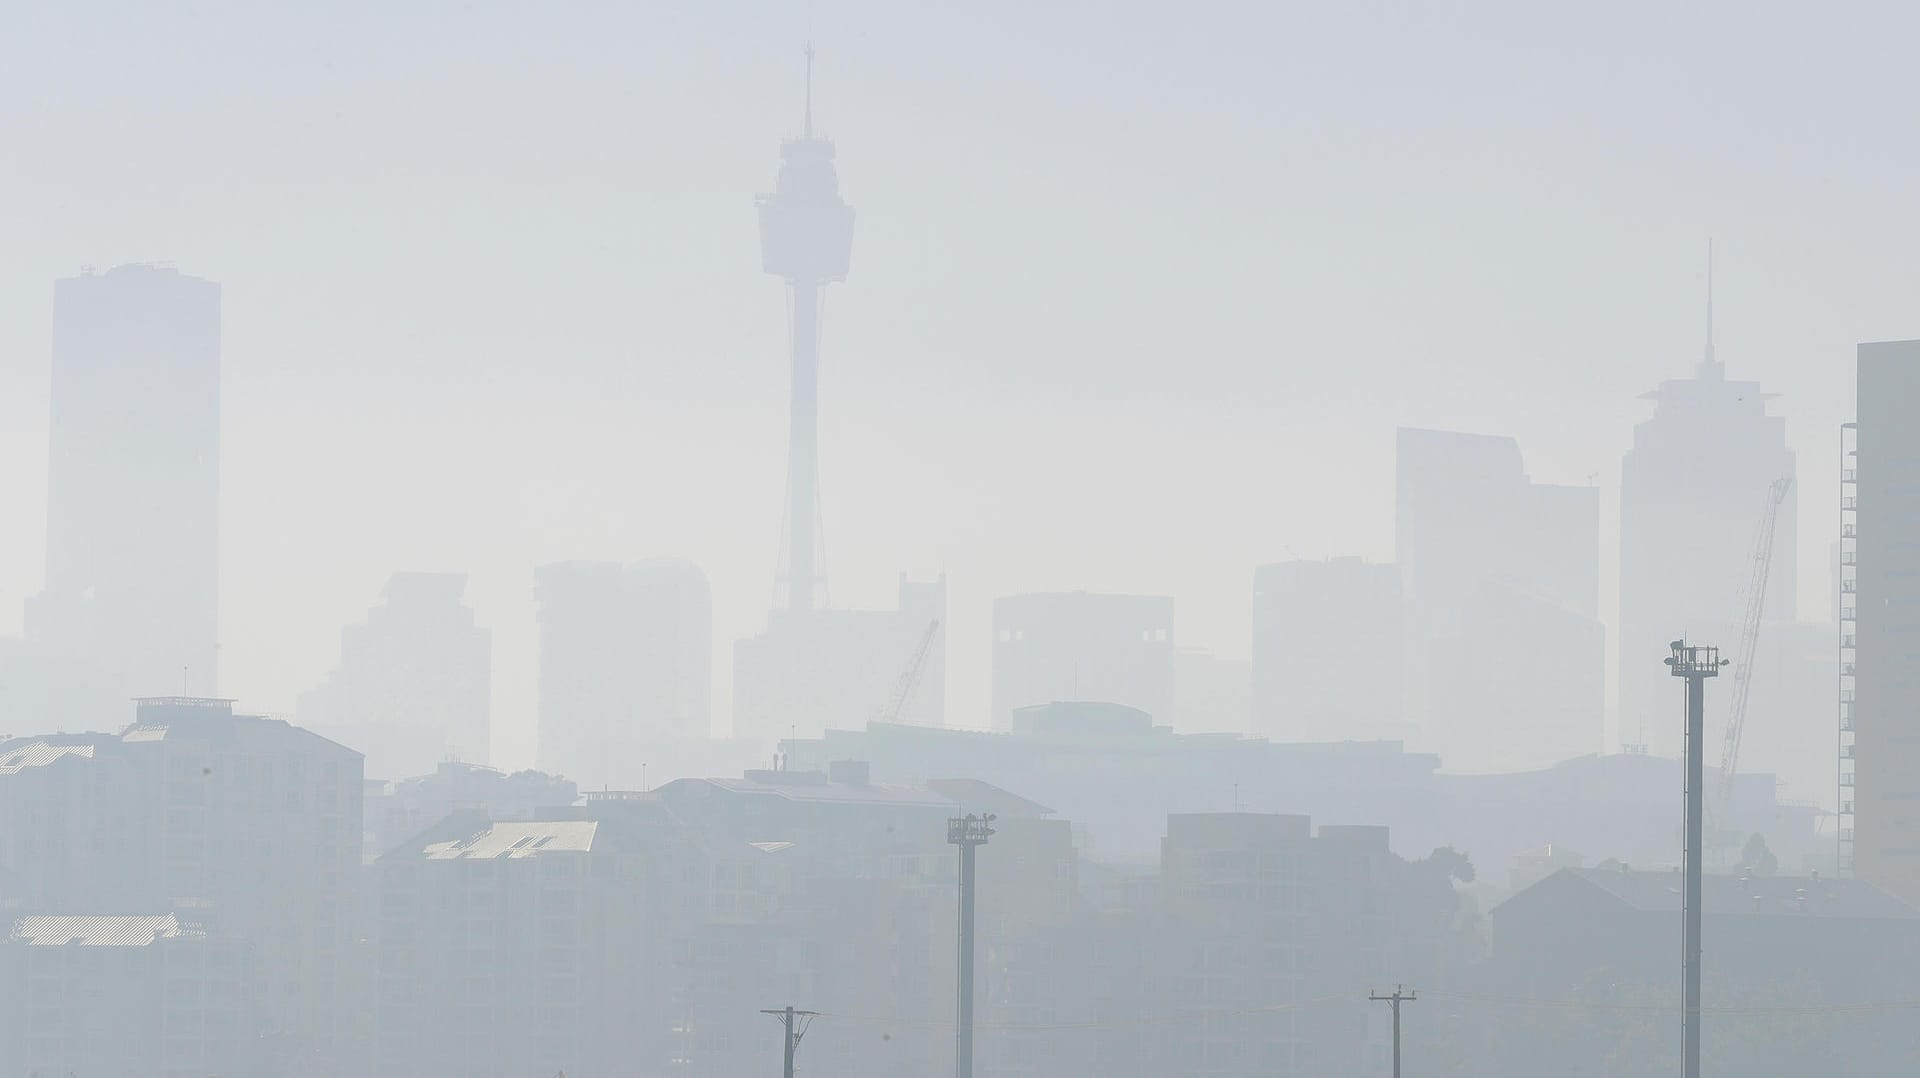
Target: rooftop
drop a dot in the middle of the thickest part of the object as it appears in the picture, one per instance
(1794, 896)
(515, 839)
(96, 931)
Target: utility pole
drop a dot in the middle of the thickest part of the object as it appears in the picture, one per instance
(1400, 995)
(968, 832)
(791, 1040)
(1696, 664)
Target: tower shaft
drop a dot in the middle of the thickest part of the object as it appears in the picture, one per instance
(803, 446)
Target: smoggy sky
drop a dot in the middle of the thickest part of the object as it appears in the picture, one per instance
(1139, 292)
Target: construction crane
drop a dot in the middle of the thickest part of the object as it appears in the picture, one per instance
(1750, 634)
(910, 677)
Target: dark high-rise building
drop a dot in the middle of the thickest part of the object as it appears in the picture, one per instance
(1487, 557)
(1067, 646)
(626, 666)
(414, 685)
(1886, 673)
(133, 481)
(1692, 490)
(1329, 651)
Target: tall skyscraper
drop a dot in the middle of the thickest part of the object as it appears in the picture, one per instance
(1487, 557)
(1329, 651)
(414, 686)
(1078, 646)
(626, 666)
(1886, 704)
(811, 667)
(1692, 490)
(133, 481)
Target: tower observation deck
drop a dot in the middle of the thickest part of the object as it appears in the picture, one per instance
(806, 237)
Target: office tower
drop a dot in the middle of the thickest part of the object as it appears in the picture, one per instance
(1065, 646)
(814, 670)
(252, 823)
(1488, 557)
(414, 683)
(133, 481)
(626, 666)
(1886, 674)
(1328, 651)
(1692, 490)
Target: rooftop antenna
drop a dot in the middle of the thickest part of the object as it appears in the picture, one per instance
(807, 131)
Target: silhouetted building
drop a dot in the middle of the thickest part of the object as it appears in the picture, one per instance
(1081, 646)
(1211, 692)
(813, 669)
(414, 685)
(1886, 708)
(626, 666)
(255, 821)
(133, 482)
(132, 996)
(398, 809)
(1489, 557)
(1798, 973)
(1692, 490)
(1329, 647)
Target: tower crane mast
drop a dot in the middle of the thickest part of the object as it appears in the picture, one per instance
(1750, 634)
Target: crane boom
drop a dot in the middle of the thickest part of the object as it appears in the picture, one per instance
(910, 677)
(1750, 632)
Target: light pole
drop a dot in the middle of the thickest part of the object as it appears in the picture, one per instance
(969, 832)
(1696, 664)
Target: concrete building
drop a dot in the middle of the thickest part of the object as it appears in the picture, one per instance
(132, 996)
(414, 685)
(133, 483)
(1692, 490)
(1488, 556)
(255, 821)
(1078, 645)
(1886, 705)
(819, 668)
(626, 667)
(1329, 651)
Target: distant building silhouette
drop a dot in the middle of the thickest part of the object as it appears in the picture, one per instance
(133, 484)
(1691, 494)
(1329, 647)
(1210, 691)
(626, 666)
(1489, 561)
(1886, 706)
(414, 685)
(821, 668)
(1078, 645)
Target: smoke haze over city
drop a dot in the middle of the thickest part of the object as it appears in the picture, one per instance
(1282, 432)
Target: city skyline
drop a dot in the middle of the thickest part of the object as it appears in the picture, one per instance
(376, 365)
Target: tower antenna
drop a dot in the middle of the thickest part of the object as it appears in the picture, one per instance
(1710, 361)
(807, 130)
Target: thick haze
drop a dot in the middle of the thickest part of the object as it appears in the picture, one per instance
(1139, 294)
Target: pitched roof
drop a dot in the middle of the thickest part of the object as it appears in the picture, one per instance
(17, 756)
(96, 931)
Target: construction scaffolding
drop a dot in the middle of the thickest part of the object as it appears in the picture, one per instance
(1849, 572)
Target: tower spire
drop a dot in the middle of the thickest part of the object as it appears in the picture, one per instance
(1709, 364)
(807, 130)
